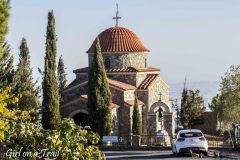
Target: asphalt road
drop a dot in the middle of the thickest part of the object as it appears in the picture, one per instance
(152, 155)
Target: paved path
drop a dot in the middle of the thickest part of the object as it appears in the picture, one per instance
(143, 155)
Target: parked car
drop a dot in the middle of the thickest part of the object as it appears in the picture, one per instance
(189, 141)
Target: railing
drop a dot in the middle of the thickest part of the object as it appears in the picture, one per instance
(221, 141)
(166, 141)
(146, 140)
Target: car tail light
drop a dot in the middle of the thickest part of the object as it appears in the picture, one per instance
(202, 139)
(181, 139)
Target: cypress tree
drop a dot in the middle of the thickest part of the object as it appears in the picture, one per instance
(99, 95)
(6, 67)
(4, 16)
(62, 80)
(25, 84)
(6, 59)
(136, 118)
(50, 103)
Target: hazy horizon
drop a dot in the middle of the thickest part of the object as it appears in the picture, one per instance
(200, 39)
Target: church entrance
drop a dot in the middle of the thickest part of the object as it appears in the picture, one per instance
(160, 118)
(81, 119)
(160, 122)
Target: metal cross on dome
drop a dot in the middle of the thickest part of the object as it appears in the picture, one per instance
(117, 18)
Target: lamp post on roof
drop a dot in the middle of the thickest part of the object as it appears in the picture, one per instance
(117, 17)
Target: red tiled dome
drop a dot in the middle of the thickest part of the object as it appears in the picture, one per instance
(118, 39)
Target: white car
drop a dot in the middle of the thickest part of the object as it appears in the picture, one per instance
(190, 141)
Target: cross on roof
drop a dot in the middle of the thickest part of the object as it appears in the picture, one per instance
(160, 96)
(117, 18)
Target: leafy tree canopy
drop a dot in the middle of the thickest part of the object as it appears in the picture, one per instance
(68, 140)
(192, 107)
(227, 103)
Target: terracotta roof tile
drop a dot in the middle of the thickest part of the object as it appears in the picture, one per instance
(114, 70)
(148, 69)
(81, 70)
(74, 83)
(131, 102)
(85, 98)
(119, 40)
(121, 85)
(148, 81)
(113, 83)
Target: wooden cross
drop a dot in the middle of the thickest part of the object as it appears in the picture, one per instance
(117, 18)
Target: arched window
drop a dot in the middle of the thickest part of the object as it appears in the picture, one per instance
(107, 63)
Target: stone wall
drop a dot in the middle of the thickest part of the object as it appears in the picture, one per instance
(154, 124)
(123, 60)
(154, 92)
(75, 92)
(125, 78)
(139, 78)
(82, 77)
(124, 121)
(67, 110)
(129, 95)
(143, 96)
(121, 113)
(117, 96)
(169, 123)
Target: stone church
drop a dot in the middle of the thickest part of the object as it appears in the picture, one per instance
(125, 60)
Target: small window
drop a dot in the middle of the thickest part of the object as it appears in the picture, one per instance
(145, 62)
(107, 63)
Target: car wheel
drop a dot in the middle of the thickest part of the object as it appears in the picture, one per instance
(205, 154)
(174, 150)
(178, 154)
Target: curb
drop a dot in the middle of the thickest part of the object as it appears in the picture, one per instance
(219, 154)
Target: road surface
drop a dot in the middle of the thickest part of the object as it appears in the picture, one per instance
(143, 155)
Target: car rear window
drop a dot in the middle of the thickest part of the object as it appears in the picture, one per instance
(191, 134)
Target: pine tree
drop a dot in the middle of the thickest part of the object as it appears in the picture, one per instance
(62, 80)
(136, 118)
(6, 67)
(192, 107)
(24, 82)
(50, 104)
(100, 99)
(4, 16)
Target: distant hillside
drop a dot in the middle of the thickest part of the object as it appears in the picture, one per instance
(207, 90)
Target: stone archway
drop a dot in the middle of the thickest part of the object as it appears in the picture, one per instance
(155, 123)
(155, 105)
(80, 117)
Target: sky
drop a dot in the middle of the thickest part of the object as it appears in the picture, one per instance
(197, 38)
